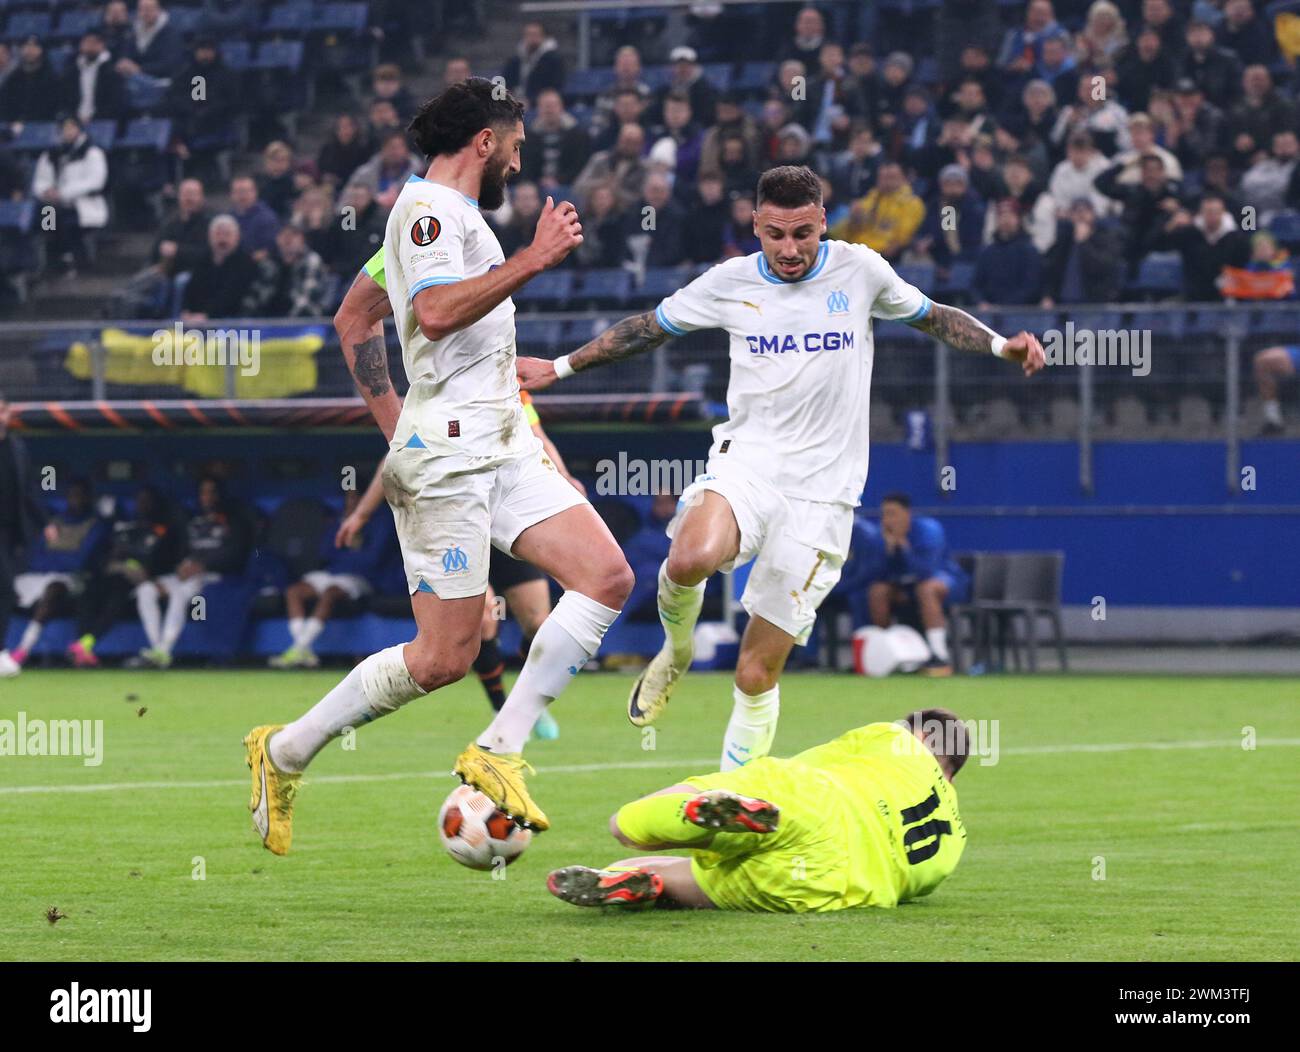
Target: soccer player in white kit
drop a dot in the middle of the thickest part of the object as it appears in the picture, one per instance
(464, 470)
(789, 464)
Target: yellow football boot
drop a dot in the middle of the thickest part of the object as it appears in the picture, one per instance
(273, 792)
(500, 777)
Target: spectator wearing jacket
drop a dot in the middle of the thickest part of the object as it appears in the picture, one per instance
(71, 177)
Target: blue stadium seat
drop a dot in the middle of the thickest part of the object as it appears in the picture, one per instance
(237, 54)
(72, 24)
(657, 77)
(17, 216)
(24, 24)
(718, 74)
(59, 57)
(102, 133)
(187, 21)
(145, 93)
(553, 286)
(1160, 273)
(606, 286)
(961, 276)
(538, 334)
(919, 274)
(660, 282)
(36, 136)
(290, 19)
(283, 55)
(755, 76)
(145, 133)
(341, 18)
(584, 83)
(1286, 228)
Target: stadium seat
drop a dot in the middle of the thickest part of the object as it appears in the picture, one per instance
(237, 55)
(584, 83)
(961, 276)
(1159, 274)
(103, 133)
(1286, 228)
(657, 77)
(606, 286)
(145, 93)
(552, 287)
(145, 133)
(72, 24)
(538, 334)
(341, 18)
(663, 281)
(280, 55)
(719, 75)
(1032, 592)
(17, 216)
(36, 136)
(755, 76)
(919, 274)
(290, 20)
(25, 24)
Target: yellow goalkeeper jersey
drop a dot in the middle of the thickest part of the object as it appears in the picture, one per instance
(866, 820)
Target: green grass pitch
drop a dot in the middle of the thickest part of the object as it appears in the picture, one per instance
(1197, 838)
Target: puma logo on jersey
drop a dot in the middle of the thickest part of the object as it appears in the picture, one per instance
(756, 306)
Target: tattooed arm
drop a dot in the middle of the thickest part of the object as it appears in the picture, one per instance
(359, 323)
(631, 336)
(962, 332)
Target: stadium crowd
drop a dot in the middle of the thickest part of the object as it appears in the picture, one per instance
(1039, 155)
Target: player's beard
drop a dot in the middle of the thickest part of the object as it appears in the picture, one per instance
(492, 187)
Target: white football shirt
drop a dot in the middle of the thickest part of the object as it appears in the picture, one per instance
(801, 354)
(464, 395)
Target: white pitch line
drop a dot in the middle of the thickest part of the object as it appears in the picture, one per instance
(596, 768)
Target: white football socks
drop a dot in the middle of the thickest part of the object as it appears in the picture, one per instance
(178, 608)
(568, 638)
(379, 685)
(311, 628)
(937, 638)
(679, 609)
(30, 635)
(751, 728)
(1273, 411)
(147, 600)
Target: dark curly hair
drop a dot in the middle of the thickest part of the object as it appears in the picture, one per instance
(447, 122)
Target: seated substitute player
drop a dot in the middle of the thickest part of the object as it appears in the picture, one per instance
(345, 571)
(869, 819)
(59, 563)
(218, 539)
(916, 568)
(787, 468)
(463, 473)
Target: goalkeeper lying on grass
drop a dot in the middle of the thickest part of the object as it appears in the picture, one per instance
(869, 819)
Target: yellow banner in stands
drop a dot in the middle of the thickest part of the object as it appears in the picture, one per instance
(273, 362)
(1286, 27)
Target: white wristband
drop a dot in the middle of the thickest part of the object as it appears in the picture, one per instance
(563, 370)
(998, 343)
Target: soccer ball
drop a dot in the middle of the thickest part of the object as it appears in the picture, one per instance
(476, 834)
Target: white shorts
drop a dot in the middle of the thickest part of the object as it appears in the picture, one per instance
(29, 587)
(798, 546)
(450, 509)
(354, 586)
(190, 587)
